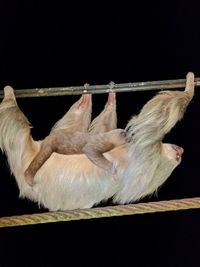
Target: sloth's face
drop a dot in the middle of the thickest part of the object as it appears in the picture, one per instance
(173, 152)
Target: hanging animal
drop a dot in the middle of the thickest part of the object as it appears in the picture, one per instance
(74, 139)
(67, 182)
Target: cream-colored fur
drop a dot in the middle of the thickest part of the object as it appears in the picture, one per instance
(67, 182)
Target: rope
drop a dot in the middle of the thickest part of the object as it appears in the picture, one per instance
(102, 212)
(99, 89)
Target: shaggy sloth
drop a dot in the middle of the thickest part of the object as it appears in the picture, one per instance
(66, 182)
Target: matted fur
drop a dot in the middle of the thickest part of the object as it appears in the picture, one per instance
(68, 182)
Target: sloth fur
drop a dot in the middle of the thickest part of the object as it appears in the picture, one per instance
(67, 182)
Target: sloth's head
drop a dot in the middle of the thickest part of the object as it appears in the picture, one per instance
(173, 153)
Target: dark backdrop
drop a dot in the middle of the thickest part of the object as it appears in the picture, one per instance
(55, 43)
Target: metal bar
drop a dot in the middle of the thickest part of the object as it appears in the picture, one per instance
(99, 89)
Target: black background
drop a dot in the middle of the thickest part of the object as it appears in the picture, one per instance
(54, 43)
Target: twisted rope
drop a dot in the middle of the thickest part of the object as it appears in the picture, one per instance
(111, 211)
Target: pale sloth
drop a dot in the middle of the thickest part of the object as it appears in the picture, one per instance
(66, 182)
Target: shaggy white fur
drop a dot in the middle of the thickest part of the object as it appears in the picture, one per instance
(70, 182)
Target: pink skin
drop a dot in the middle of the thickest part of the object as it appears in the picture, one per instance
(179, 151)
(111, 98)
(85, 101)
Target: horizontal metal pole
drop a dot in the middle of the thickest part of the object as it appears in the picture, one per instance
(99, 89)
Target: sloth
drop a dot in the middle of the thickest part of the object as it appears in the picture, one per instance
(72, 137)
(67, 182)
